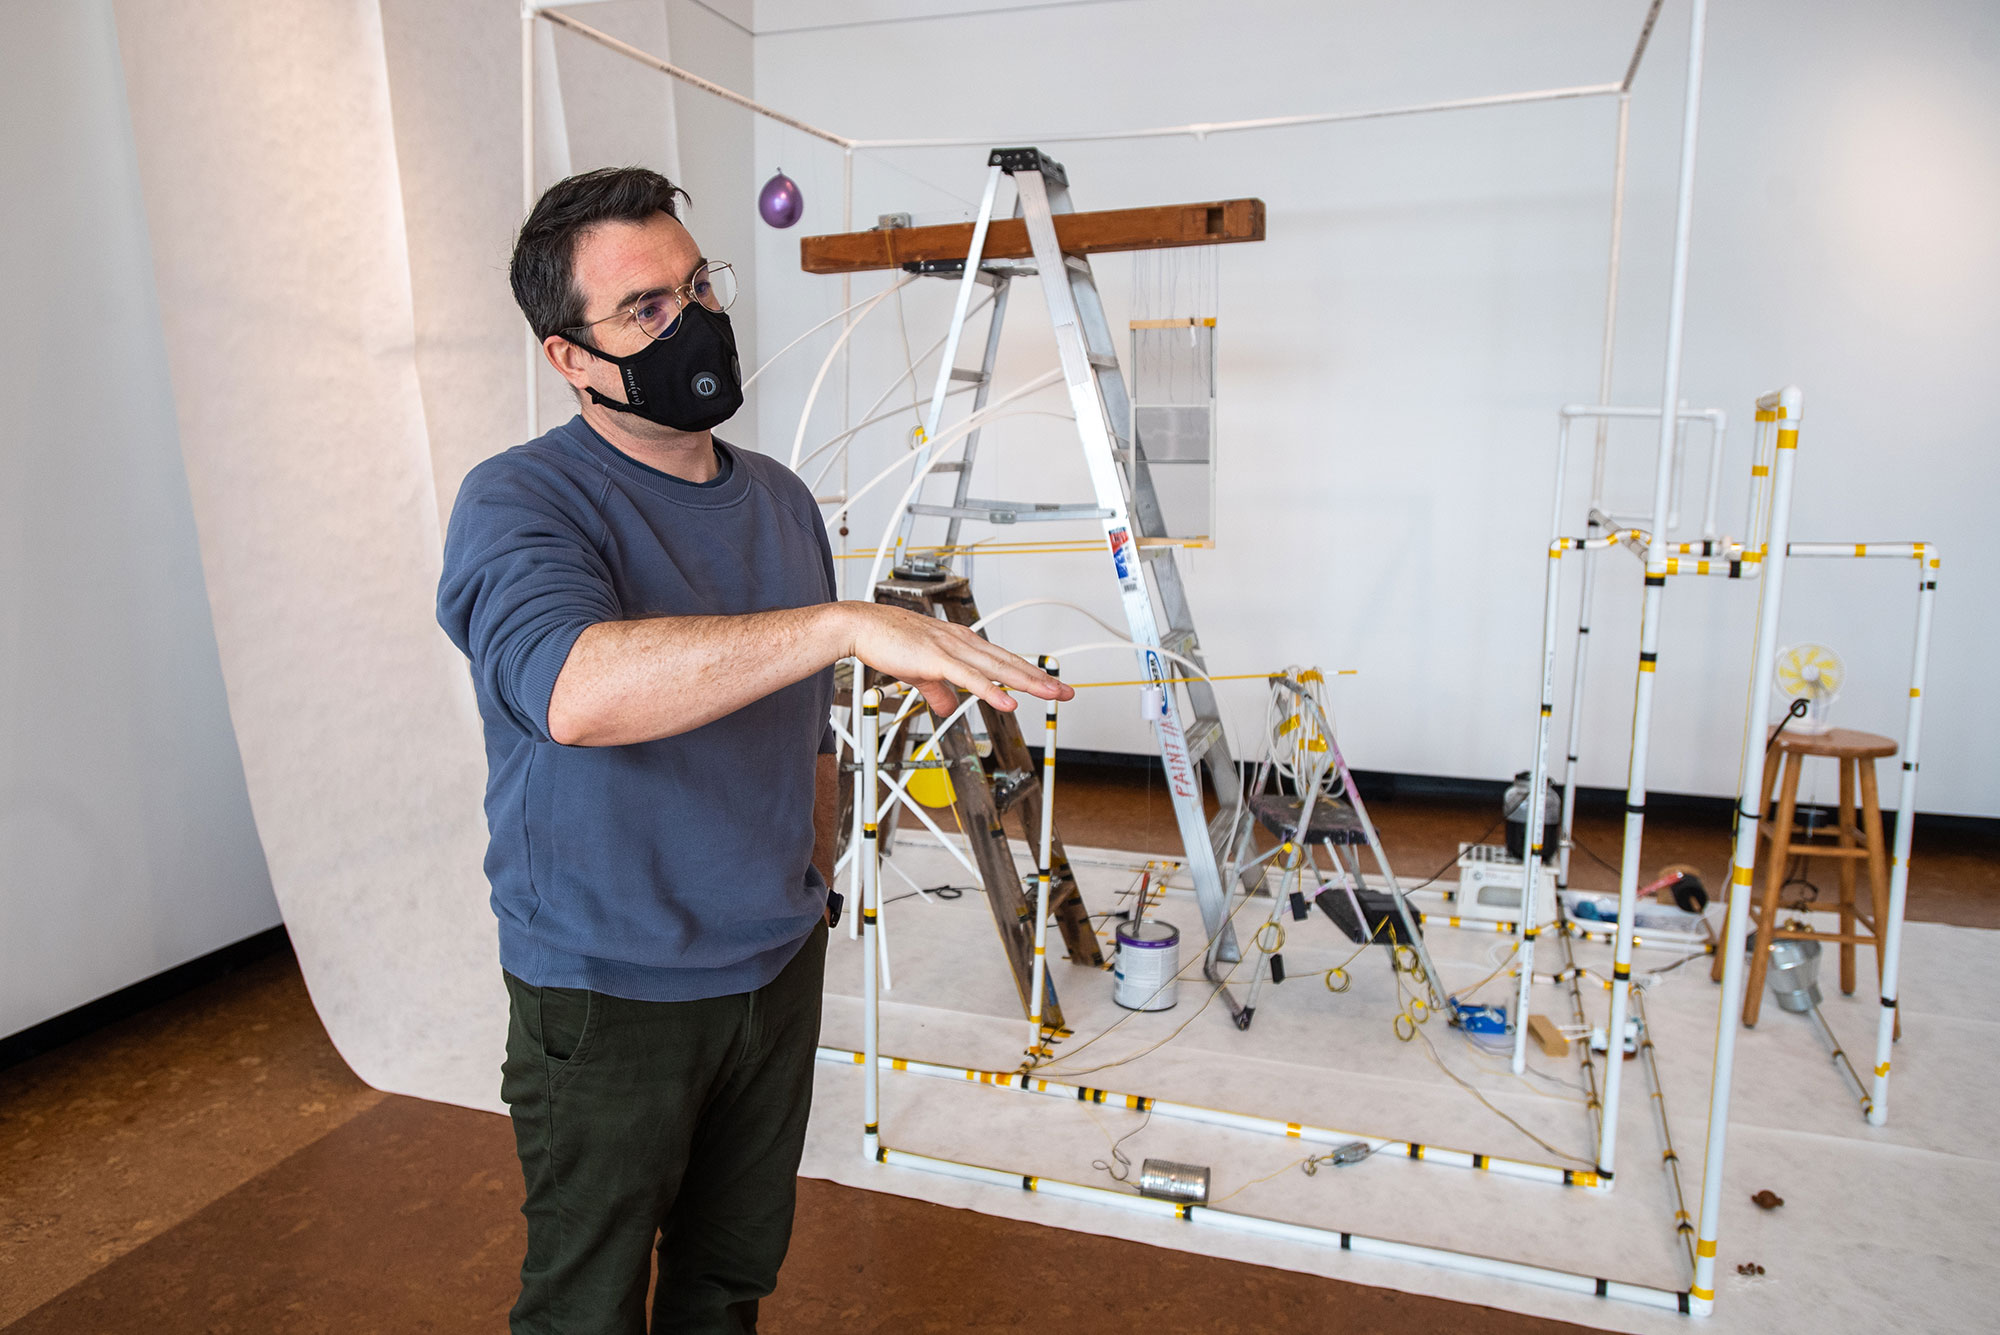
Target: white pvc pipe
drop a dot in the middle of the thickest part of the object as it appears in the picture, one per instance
(1208, 1216)
(1525, 1170)
(1656, 575)
(1202, 129)
(626, 49)
(1750, 798)
(1906, 821)
(752, 377)
(534, 345)
(871, 1002)
(1045, 857)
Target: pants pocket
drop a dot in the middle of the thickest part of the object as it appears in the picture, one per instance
(569, 1018)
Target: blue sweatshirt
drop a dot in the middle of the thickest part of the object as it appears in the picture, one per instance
(667, 870)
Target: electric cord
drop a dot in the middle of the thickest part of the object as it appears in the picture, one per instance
(1120, 1167)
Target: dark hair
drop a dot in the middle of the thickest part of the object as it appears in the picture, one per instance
(543, 271)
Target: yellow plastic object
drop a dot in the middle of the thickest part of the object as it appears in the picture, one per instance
(932, 788)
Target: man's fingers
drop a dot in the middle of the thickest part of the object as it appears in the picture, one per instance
(938, 696)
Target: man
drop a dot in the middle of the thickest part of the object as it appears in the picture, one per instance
(650, 617)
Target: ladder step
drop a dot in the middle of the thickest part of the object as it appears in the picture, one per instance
(1201, 737)
(968, 374)
(1104, 361)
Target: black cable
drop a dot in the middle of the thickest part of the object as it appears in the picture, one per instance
(941, 891)
(1454, 857)
(1798, 710)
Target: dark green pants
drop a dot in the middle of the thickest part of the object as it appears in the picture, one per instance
(649, 1126)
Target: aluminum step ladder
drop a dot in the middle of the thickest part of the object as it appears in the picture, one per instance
(1191, 739)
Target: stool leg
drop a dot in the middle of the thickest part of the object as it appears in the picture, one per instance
(1774, 880)
(1843, 827)
(1878, 865)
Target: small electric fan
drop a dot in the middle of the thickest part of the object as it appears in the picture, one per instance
(1813, 673)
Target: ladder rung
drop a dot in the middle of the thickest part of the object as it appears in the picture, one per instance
(1203, 736)
(1104, 361)
(966, 373)
(954, 466)
(1179, 640)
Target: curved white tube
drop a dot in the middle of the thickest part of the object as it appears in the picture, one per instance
(853, 431)
(944, 439)
(751, 378)
(812, 395)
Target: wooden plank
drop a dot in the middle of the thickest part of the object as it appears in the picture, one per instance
(1160, 227)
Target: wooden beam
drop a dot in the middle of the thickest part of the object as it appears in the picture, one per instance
(1160, 227)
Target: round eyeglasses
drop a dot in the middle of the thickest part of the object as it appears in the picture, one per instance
(658, 313)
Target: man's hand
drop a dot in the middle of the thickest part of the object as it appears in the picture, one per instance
(932, 655)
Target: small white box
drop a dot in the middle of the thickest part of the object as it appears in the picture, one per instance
(1489, 886)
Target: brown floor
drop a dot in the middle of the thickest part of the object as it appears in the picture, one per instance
(211, 1165)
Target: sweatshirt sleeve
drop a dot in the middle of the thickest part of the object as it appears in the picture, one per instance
(522, 580)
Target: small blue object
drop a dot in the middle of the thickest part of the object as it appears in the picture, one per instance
(1479, 1019)
(1588, 909)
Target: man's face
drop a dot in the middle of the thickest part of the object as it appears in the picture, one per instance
(616, 264)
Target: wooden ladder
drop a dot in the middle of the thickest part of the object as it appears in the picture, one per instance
(987, 790)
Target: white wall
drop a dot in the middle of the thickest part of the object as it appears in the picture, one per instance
(126, 841)
(1431, 290)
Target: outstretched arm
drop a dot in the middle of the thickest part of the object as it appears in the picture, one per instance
(636, 681)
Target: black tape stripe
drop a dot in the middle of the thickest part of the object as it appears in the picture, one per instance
(1621, 973)
(1683, 1298)
(1416, 1150)
(1346, 1242)
(1889, 1003)
(1736, 570)
(1645, 657)
(1027, 1182)
(1635, 808)
(1604, 1288)
(1479, 1161)
(1656, 581)
(1569, 1177)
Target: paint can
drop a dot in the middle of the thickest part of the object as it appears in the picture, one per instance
(1165, 1180)
(1148, 965)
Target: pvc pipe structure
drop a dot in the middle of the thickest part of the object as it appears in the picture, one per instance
(1929, 562)
(871, 871)
(1526, 1170)
(1038, 1048)
(1670, 1162)
(1656, 578)
(1788, 406)
(1274, 1228)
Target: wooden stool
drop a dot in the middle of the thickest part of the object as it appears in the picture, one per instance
(1856, 837)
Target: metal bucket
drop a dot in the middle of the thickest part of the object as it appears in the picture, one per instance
(1794, 975)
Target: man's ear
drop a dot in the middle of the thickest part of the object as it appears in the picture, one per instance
(571, 362)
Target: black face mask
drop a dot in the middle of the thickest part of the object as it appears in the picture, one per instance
(689, 381)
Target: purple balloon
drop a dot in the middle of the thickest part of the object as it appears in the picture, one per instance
(780, 201)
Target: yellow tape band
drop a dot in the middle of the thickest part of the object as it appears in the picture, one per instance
(1788, 438)
(1861, 549)
(1705, 1247)
(1647, 667)
(1882, 1070)
(1915, 692)
(1700, 1294)
(1766, 415)
(1293, 1128)
(1740, 875)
